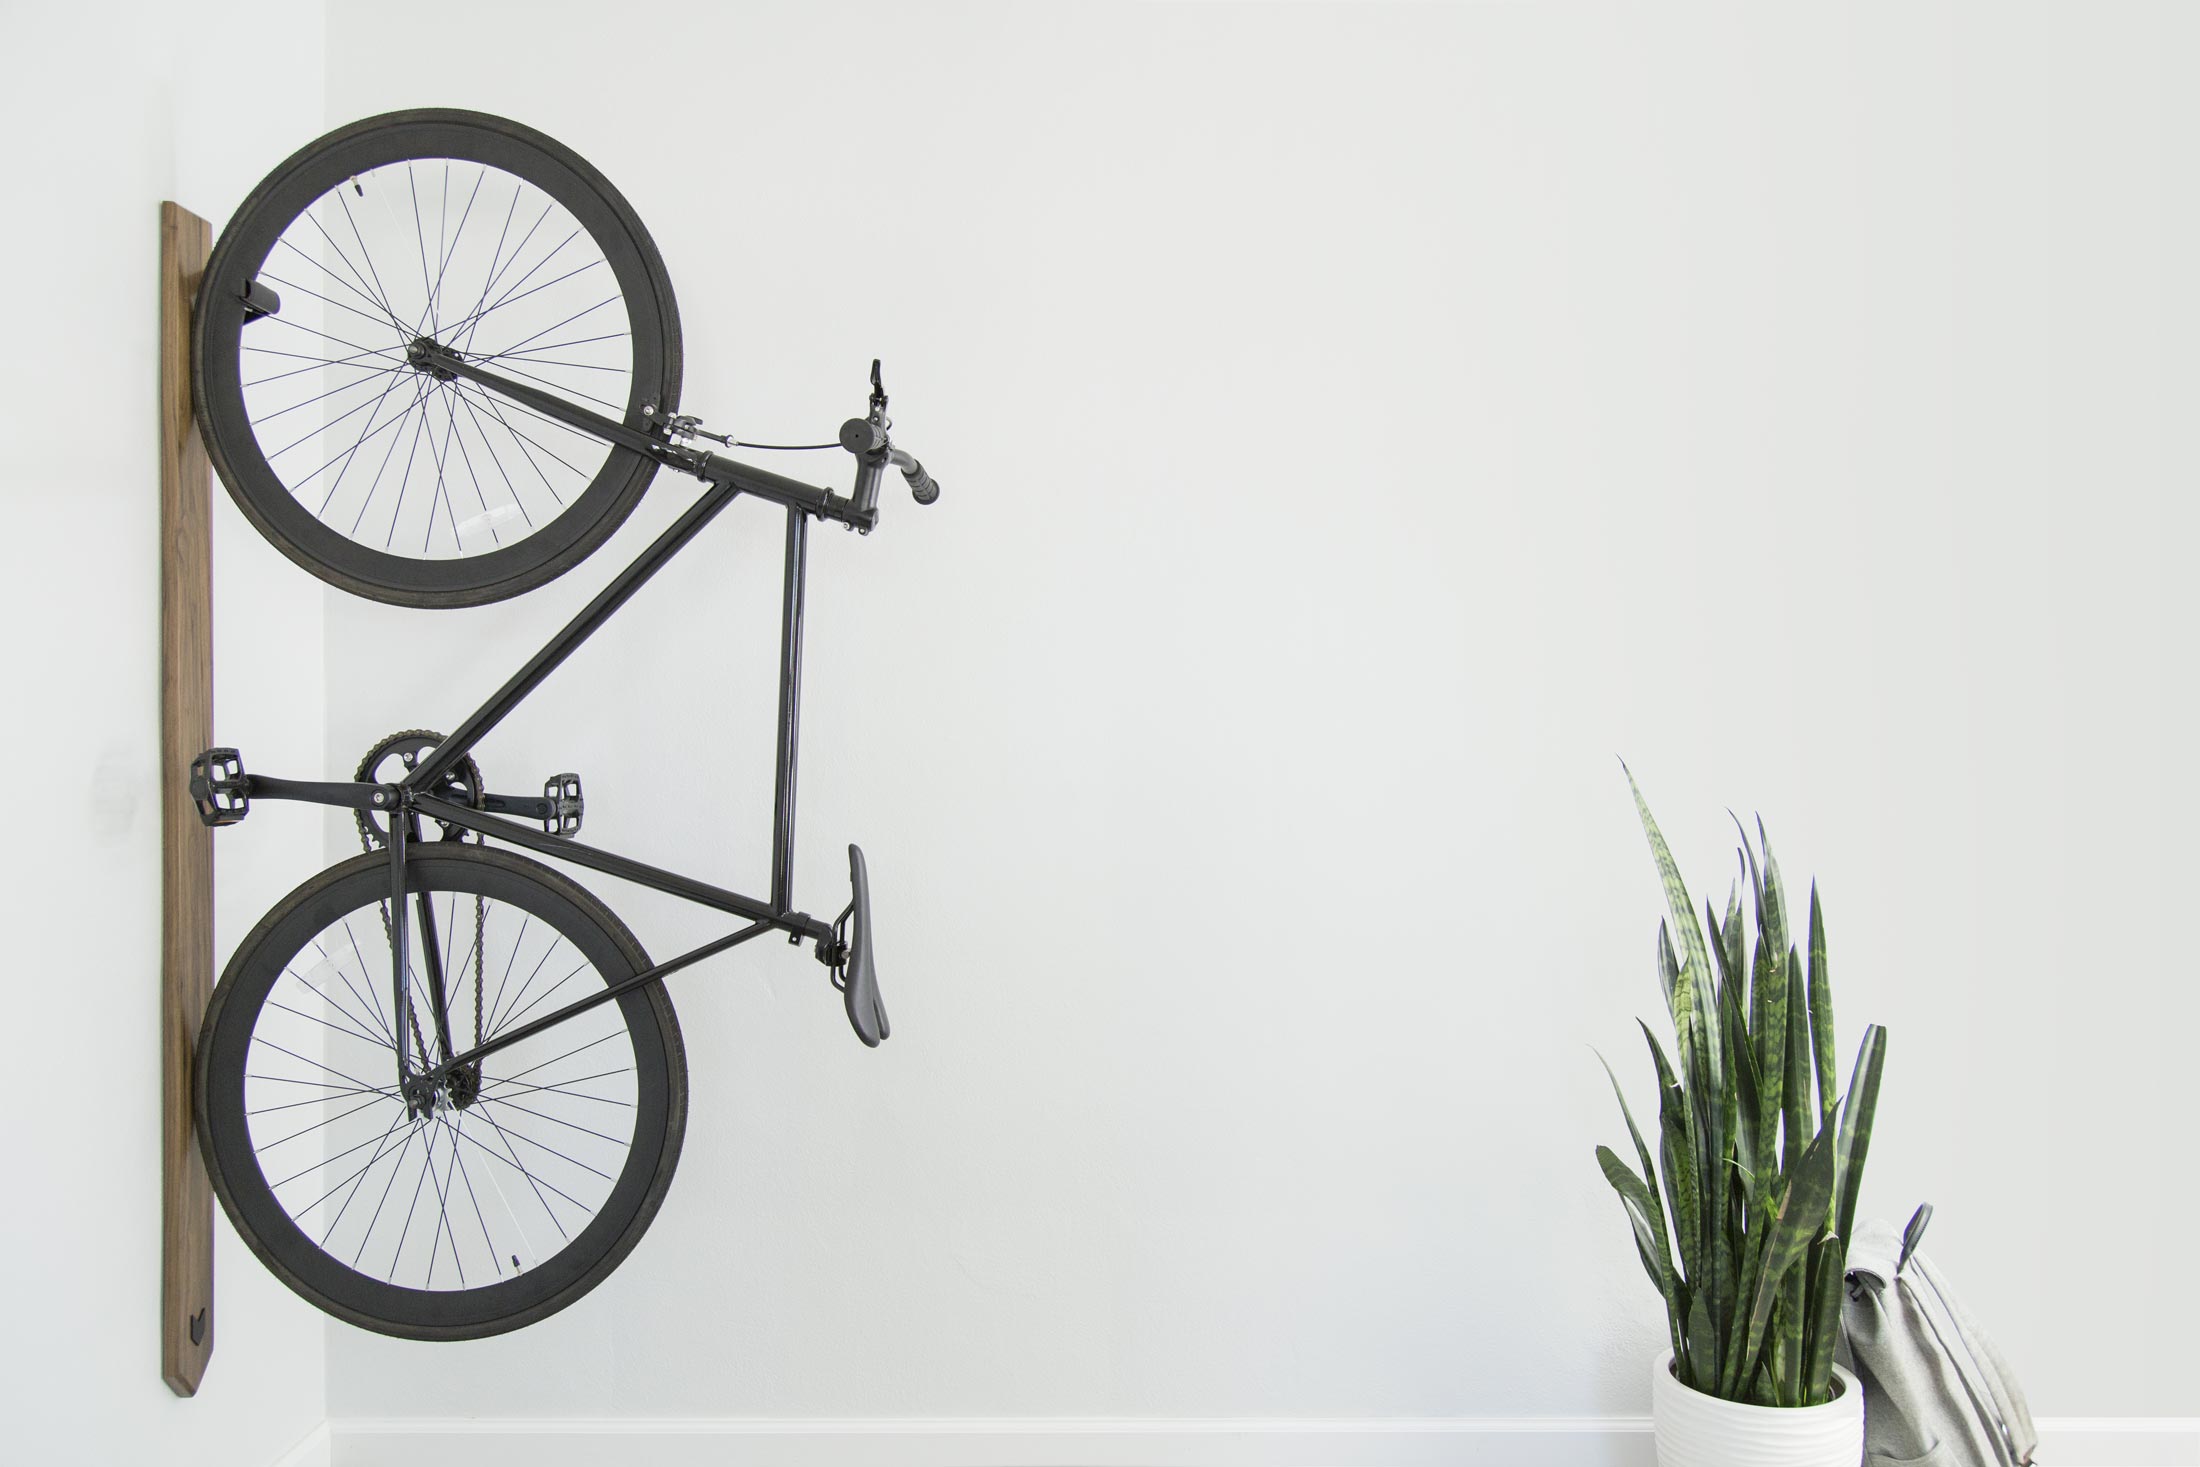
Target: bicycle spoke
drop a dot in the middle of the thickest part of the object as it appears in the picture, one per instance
(354, 1178)
(388, 452)
(427, 291)
(444, 268)
(443, 1215)
(365, 253)
(317, 1125)
(517, 250)
(508, 962)
(531, 1141)
(545, 1115)
(366, 973)
(325, 1162)
(553, 988)
(451, 402)
(492, 401)
(390, 372)
(378, 315)
(496, 1021)
(339, 1074)
(539, 1184)
(565, 1087)
(519, 348)
(404, 481)
(469, 325)
(496, 410)
(442, 494)
(307, 290)
(339, 1028)
(427, 1166)
(591, 1044)
(364, 1026)
(509, 299)
(580, 366)
(475, 1198)
(519, 500)
(395, 355)
(319, 364)
(382, 1202)
(359, 280)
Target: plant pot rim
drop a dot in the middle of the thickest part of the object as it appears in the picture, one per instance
(1844, 1383)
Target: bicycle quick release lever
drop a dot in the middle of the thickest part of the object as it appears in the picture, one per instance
(867, 439)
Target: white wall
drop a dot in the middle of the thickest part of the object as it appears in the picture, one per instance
(106, 111)
(1359, 424)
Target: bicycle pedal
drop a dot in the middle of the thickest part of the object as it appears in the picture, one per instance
(563, 805)
(220, 788)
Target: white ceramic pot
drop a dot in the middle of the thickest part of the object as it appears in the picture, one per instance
(1696, 1430)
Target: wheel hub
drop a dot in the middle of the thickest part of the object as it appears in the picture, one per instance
(456, 1090)
(426, 354)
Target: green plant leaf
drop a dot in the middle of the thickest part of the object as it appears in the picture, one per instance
(1774, 922)
(1858, 1110)
(1788, 1319)
(1669, 967)
(1749, 1252)
(1703, 1349)
(1827, 1258)
(1749, 1134)
(1635, 1197)
(1713, 1105)
(1768, 986)
(1676, 1150)
(1649, 1168)
(1821, 1012)
(1729, 975)
(1793, 1224)
(1784, 1340)
(1731, 932)
(1799, 1122)
(1691, 1010)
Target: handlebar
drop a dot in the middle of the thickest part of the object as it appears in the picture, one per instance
(867, 439)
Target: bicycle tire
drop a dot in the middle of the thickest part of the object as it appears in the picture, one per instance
(233, 1041)
(220, 381)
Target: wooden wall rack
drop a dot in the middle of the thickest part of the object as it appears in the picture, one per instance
(187, 847)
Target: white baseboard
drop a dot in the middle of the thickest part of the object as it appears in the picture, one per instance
(311, 1450)
(997, 1442)
(2119, 1441)
(1105, 1442)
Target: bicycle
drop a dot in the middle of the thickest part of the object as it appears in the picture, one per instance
(542, 1139)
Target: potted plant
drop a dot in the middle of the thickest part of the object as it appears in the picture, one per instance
(1742, 1213)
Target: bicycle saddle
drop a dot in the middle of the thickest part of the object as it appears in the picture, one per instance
(858, 978)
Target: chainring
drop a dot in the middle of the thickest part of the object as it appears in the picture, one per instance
(462, 786)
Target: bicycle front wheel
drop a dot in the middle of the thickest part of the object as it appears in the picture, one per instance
(482, 236)
(524, 1184)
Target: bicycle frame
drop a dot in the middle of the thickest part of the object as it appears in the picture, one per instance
(411, 798)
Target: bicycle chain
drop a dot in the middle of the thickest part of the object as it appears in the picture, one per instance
(370, 840)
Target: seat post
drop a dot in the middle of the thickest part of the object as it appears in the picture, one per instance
(790, 707)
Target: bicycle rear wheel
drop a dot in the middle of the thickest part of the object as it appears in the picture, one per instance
(487, 238)
(526, 1183)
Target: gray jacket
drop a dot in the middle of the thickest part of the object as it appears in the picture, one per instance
(1936, 1392)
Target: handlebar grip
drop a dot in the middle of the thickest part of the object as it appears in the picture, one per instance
(922, 486)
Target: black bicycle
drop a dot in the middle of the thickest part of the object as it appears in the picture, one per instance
(440, 1089)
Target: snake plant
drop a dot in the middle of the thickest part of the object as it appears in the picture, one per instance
(1741, 1212)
